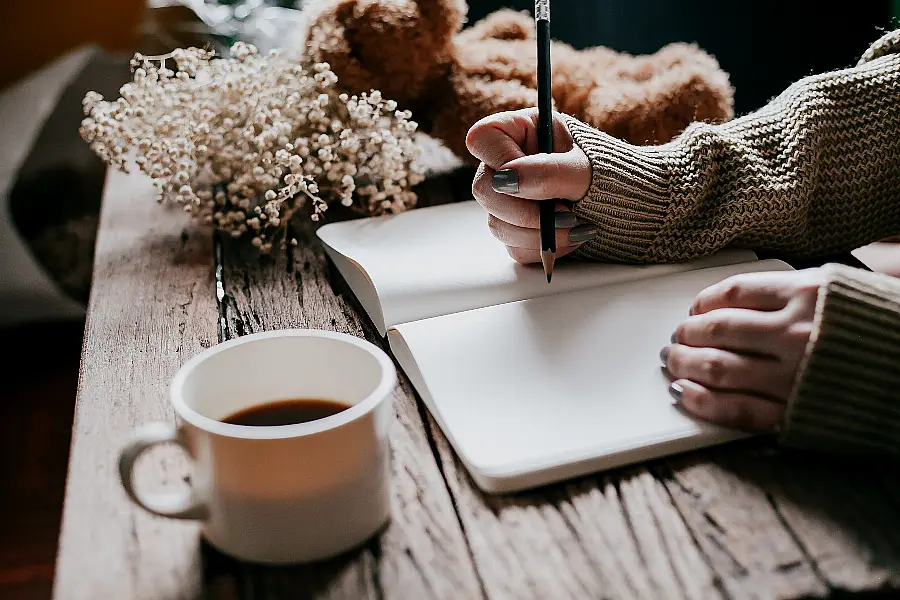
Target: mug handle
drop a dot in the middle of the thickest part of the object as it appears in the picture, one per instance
(183, 505)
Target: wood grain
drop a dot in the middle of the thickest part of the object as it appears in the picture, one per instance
(422, 554)
(152, 307)
(741, 521)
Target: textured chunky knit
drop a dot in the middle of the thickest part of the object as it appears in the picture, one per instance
(814, 172)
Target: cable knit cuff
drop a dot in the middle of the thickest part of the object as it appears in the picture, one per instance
(847, 396)
(628, 197)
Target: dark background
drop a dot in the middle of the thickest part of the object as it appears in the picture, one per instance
(764, 45)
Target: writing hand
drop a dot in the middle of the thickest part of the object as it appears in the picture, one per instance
(735, 359)
(512, 179)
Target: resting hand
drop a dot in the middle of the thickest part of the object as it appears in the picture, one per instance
(512, 178)
(734, 360)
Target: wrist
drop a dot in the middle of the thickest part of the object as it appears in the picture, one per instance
(628, 196)
(846, 393)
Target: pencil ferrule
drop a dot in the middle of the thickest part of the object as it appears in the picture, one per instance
(541, 10)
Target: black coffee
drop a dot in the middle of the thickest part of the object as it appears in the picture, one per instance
(286, 412)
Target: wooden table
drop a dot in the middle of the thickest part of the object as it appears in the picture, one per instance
(744, 520)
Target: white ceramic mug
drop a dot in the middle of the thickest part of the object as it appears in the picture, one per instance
(284, 494)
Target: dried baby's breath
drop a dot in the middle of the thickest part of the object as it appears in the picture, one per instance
(245, 142)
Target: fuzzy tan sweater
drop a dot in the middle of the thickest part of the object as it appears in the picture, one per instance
(816, 171)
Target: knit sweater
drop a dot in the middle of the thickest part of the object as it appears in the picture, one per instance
(814, 172)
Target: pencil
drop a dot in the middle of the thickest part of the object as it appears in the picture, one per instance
(545, 129)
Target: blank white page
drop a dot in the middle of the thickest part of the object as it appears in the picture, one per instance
(541, 390)
(443, 259)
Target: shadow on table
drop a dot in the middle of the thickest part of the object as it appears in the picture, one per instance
(226, 577)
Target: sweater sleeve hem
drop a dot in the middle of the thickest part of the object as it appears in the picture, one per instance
(846, 393)
(628, 197)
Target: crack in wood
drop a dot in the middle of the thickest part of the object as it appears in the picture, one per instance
(807, 555)
(562, 501)
(660, 527)
(667, 476)
(133, 549)
(789, 566)
(626, 516)
(221, 294)
(435, 452)
(374, 548)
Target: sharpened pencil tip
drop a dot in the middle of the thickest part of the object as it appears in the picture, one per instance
(548, 258)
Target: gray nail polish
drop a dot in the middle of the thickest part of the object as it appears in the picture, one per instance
(505, 181)
(664, 355)
(583, 233)
(566, 219)
(672, 339)
(676, 391)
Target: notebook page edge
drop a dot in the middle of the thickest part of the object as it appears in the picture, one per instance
(363, 287)
(401, 351)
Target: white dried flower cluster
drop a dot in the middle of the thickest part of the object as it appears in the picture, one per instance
(244, 142)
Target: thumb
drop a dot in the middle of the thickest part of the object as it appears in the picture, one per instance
(563, 175)
(504, 136)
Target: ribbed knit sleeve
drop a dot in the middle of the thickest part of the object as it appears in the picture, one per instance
(847, 392)
(815, 171)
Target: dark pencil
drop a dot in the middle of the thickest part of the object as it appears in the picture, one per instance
(545, 129)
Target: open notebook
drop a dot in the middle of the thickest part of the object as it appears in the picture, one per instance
(531, 382)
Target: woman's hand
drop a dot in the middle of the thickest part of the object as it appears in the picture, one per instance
(512, 178)
(735, 359)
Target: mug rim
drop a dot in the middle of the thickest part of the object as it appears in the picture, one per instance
(387, 381)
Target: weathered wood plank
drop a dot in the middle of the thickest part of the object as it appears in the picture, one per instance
(736, 522)
(423, 553)
(829, 526)
(738, 528)
(606, 537)
(151, 308)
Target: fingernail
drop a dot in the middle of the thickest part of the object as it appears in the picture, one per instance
(505, 181)
(672, 339)
(566, 219)
(583, 233)
(664, 355)
(677, 392)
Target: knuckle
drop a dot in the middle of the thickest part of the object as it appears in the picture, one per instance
(713, 330)
(730, 292)
(714, 371)
(704, 401)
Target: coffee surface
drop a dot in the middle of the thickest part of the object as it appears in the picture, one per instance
(286, 412)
